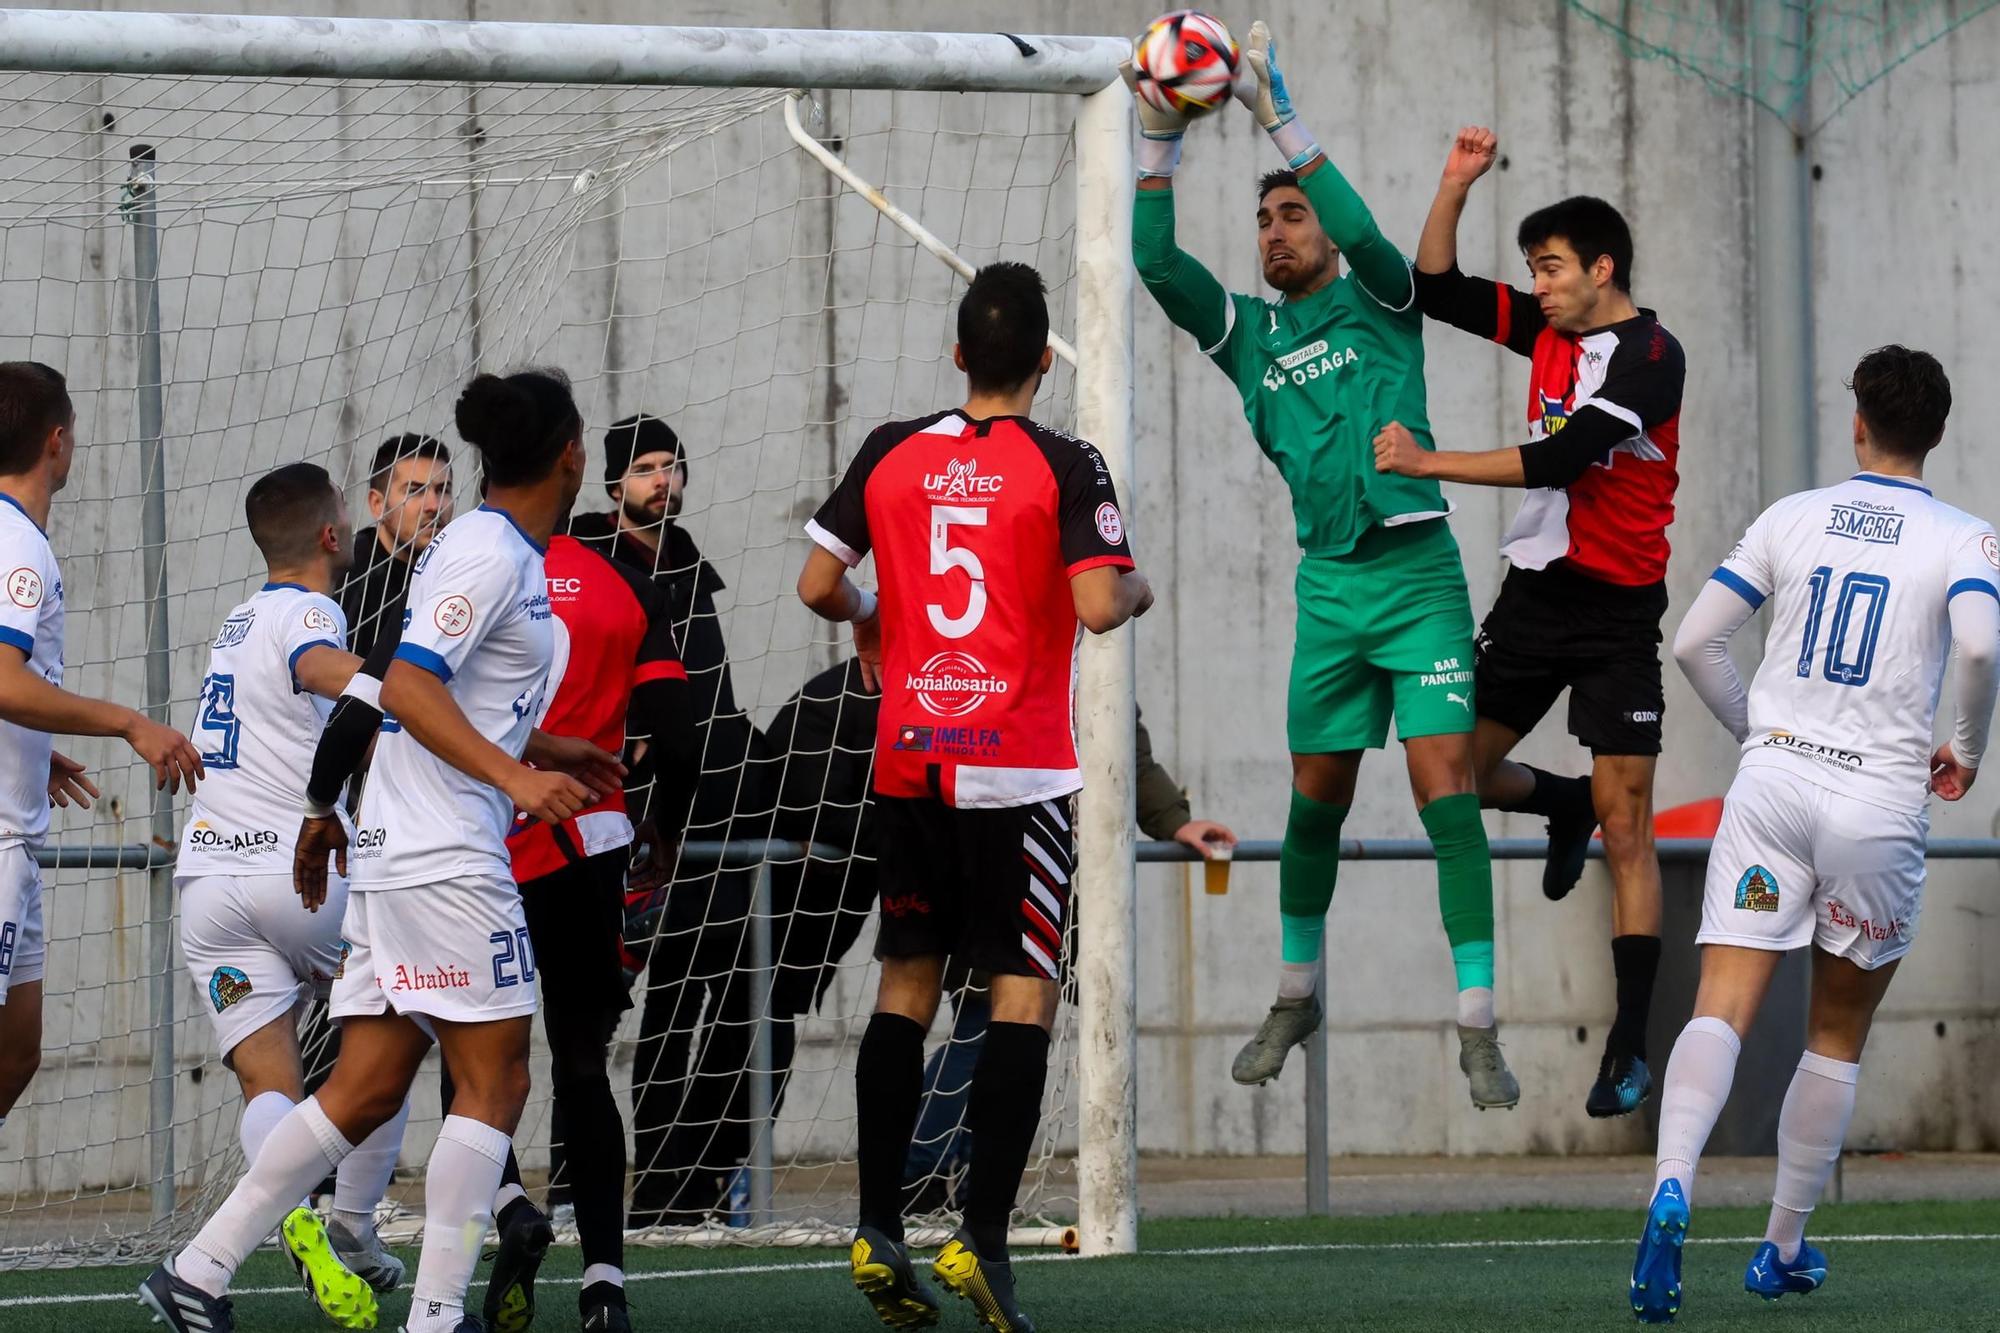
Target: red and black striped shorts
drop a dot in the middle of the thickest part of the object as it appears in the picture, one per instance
(988, 887)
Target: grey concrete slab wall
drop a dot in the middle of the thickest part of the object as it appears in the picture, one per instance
(1898, 251)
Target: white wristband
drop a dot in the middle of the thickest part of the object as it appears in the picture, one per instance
(314, 810)
(865, 609)
(1296, 142)
(1158, 157)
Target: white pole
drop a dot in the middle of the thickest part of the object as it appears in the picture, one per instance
(1107, 978)
(1782, 261)
(85, 41)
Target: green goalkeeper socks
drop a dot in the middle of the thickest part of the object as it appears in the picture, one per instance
(1465, 885)
(1307, 868)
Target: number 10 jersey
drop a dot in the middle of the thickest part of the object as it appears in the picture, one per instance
(977, 528)
(1860, 576)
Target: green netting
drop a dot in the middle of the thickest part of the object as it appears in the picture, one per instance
(1776, 52)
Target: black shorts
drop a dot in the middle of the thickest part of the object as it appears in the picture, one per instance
(988, 887)
(1551, 630)
(576, 916)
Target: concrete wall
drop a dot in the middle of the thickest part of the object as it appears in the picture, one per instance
(1899, 254)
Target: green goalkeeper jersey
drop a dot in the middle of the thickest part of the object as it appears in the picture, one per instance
(1319, 376)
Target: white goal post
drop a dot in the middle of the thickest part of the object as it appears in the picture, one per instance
(228, 70)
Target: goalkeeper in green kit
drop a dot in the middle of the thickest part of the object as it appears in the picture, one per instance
(1384, 623)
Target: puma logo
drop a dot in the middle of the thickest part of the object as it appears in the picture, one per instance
(1459, 699)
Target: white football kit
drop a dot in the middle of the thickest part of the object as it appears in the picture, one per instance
(255, 953)
(434, 922)
(31, 619)
(1823, 831)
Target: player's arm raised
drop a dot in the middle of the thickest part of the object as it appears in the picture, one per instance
(29, 701)
(1185, 289)
(1376, 262)
(1479, 306)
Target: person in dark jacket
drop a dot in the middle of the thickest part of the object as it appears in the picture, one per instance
(690, 1117)
(823, 740)
(409, 499)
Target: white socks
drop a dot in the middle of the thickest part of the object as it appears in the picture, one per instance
(364, 1177)
(1475, 1007)
(1699, 1073)
(261, 1115)
(297, 1153)
(459, 1188)
(1297, 980)
(596, 1273)
(1811, 1127)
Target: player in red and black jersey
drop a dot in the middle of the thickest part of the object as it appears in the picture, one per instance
(1581, 604)
(621, 670)
(995, 539)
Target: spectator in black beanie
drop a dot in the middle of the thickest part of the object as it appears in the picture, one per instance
(690, 1124)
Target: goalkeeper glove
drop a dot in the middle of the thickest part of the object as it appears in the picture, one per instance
(1160, 131)
(1260, 85)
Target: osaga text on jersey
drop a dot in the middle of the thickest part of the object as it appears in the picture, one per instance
(976, 528)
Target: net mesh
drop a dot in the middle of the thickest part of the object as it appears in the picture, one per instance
(335, 259)
(1801, 59)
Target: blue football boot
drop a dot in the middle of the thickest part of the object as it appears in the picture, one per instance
(1656, 1269)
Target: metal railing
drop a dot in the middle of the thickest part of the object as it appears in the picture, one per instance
(760, 853)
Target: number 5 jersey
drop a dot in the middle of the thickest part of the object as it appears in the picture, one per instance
(977, 528)
(1860, 576)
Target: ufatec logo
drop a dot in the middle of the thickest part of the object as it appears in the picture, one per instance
(960, 480)
(565, 587)
(953, 684)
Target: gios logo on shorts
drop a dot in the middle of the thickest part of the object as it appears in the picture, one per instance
(257, 842)
(1757, 891)
(227, 986)
(953, 684)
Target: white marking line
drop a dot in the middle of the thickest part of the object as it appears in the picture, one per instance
(1211, 1251)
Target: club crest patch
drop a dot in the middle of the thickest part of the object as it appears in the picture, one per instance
(1757, 891)
(226, 987)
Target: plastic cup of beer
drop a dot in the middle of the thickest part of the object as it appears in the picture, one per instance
(1215, 870)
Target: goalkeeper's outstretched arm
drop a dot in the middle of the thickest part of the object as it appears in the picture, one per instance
(1187, 291)
(1376, 262)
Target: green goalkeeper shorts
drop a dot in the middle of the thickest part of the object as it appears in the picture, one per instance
(1383, 630)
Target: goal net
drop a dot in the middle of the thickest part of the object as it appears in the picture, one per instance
(335, 257)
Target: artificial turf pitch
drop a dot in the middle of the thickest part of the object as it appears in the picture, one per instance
(1905, 1266)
